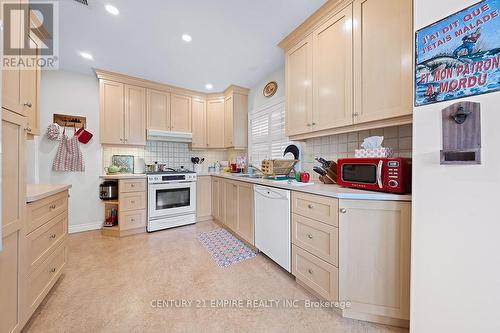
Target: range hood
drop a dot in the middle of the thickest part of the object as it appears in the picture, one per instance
(157, 135)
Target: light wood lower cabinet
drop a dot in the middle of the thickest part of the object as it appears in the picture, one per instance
(203, 198)
(232, 206)
(316, 207)
(374, 257)
(13, 223)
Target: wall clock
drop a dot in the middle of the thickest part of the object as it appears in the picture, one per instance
(270, 89)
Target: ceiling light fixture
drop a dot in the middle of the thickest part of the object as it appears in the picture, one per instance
(86, 55)
(112, 9)
(187, 38)
(209, 86)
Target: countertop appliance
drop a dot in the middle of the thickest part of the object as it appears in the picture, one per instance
(108, 190)
(377, 174)
(272, 224)
(171, 199)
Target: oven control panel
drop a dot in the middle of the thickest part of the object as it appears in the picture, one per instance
(171, 178)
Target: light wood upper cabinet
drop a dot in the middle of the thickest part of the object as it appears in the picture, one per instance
(112, 105)
(228, 121)
(180, 113)
(158, 110)
(332, 72)
(13, 222)
(383, 56)
(215, 123)
(299, 76)
(135, 115)
(199, 123)
(375, 235)
(122, 114)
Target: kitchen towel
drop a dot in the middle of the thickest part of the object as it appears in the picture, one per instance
(69, 156)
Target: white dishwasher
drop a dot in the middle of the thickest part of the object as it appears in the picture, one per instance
(272, 224)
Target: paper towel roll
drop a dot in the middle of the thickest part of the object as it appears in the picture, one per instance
(139, 165)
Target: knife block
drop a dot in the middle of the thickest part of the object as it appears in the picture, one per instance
(332, 172)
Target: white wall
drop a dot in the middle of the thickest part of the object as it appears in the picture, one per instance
(74, 94)
(456, 227)
(256, 99)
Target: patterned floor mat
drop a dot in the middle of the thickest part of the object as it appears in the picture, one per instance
(225, 248)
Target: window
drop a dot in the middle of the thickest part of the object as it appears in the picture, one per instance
(267, 133)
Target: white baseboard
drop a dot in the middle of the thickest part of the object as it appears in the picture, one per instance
(84, 227)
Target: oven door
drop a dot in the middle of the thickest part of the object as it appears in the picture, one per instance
(362, 174)
(171, 199)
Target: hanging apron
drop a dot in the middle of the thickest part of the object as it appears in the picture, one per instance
(69, 156)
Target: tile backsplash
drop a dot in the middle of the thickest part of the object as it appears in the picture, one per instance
(173, 154)
(333, 147)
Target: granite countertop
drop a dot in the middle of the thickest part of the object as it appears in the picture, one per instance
(330, 190)
(35, 192)
(125, 176)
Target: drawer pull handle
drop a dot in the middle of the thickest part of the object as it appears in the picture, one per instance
(343, 210)
(310, 271)
(53, 270)
(132, 220)
(310, 206)
(132, 201)
(309, 236)
(132, 185)
(53, 236)
(52, 207)
(28, 104)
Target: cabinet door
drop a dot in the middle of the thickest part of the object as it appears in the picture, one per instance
(13, 220)
(231, 211)
(376, 236)
(112, 112)
(199, 123)
(332, 67)
(298, 67)
(228, 122)
(215, 198)
(11, 77)
(203, 197)
(30, 95)
(135, 115)
(222, 201)
(245, 212)
(383, 37)
(158, 110)
(215, 123)
(180, 114)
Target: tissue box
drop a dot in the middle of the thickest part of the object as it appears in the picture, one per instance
(373, 152)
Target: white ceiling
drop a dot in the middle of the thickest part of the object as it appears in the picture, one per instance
(234, 41)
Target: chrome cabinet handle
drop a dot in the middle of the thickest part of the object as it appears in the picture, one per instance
(313, 124)
(132, 201)
(53, 236)
(53, 270)
(28, 104)
(28, 129)
(132, 220)
(309, 236)
(132, 185)
(51, 207)
(343, 210)
(310, 206)
(310, 271)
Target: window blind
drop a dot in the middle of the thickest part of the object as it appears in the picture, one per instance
(267, 133)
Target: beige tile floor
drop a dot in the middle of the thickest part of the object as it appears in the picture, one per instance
(110, 283)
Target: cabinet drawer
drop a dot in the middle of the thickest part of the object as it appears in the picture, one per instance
(315, 273)
(43, 278)
(318, 238)
(132, 185)
(316, 207)
(42, 211)
(132, 201)
(43, 240)
(132, 220)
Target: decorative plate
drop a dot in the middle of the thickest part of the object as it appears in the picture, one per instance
(270, 89)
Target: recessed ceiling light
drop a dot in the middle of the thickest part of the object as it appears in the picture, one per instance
(86, 55)
(112, 9)
(187, 38)
(209, 86)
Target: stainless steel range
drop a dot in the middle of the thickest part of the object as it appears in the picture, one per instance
(171, 199)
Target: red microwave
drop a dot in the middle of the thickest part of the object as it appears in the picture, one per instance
(376, 174)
